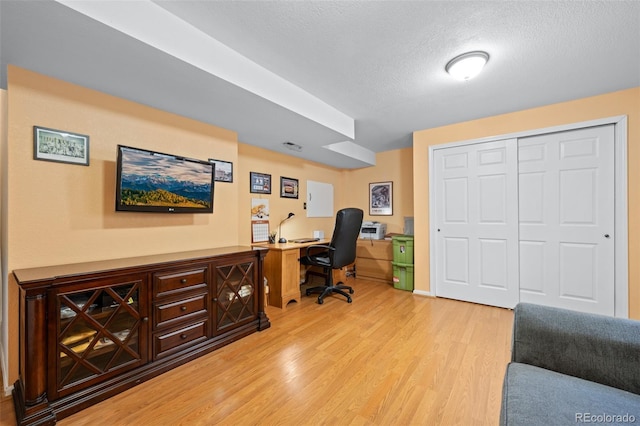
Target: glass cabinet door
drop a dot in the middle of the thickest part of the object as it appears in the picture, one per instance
(99, 332)
(236, 299)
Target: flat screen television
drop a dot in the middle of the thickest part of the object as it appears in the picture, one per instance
(149, 181)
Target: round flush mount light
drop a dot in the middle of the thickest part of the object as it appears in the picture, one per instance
(467, 65)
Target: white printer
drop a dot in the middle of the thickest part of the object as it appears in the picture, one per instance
(373, 230)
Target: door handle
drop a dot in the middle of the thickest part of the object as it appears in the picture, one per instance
(607, 236)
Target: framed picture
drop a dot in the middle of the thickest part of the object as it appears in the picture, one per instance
(224, 170)
(288, 187)
(260, 183)
(381, 199)
(60, 146)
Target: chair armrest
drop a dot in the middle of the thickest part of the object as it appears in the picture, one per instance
(322, 246)
(593, 347)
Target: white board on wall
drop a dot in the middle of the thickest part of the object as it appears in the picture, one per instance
(319, 199)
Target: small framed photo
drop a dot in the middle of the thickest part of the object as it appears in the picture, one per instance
(260, 183)
(288, 187)
(381, 199)
(60, 146)
(224, 170)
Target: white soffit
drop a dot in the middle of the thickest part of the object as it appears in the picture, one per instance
(353, 150)
(155, 26)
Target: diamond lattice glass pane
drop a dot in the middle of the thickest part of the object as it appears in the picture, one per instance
(236, 278)
(225, 319)
(66, 312)
(102, 353)
(133, 341)
(94, 326)
(224, 270)
(103, 314)
(124, 357)
(246, 267)
(247, 311)
(80, 372)
(65, 365)
(121, 324)
(78, 335)
(71, 304)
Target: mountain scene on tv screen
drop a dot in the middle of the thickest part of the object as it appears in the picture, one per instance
(161, 180)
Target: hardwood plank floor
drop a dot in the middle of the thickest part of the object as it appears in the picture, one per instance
(389, 358)
(7, 416)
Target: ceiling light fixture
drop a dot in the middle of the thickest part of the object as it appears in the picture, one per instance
(467, 65)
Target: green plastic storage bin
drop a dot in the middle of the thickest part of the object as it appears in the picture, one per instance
(403, 249)
(402, 276)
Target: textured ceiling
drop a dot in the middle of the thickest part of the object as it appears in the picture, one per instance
(380, 63)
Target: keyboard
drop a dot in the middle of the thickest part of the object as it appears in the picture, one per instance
(305, 240)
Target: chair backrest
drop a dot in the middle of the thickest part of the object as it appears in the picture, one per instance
(345, 236)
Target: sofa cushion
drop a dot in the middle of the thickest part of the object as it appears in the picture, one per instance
(535, 396)
(593, 347)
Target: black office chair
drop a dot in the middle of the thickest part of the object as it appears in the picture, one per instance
(338, 254)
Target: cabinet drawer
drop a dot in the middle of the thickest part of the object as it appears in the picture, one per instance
(173, 341)
(166, 284)
(377, 249)
(374, 268)
(167, 313)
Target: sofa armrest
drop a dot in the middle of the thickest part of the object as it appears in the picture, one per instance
(592, 347)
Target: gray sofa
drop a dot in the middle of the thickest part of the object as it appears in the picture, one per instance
(571, 368)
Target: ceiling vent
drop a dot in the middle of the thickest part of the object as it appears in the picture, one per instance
(292, 146)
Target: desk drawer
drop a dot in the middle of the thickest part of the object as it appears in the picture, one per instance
(166, 284)
(173, 341)
(165, 314)
(377, 249)
(374, 268)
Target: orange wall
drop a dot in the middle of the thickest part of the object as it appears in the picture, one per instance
(62, 213)
(394, 166)
(73, 206)
(254, 159)
(626, 102)
(351, 189)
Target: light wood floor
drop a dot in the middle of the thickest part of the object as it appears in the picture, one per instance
(389, 358)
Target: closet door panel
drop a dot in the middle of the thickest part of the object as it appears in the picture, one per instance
(566, 202)
(477, 223)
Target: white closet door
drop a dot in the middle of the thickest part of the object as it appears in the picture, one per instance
(566, 209)
(476, 190)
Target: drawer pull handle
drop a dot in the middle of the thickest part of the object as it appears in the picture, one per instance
(183, 336)
(183, 281)
(183, 308)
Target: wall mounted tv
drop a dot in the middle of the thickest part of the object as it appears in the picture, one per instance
(149, 181)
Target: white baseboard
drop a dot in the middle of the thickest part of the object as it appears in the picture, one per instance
(423, 293)
(7, 389)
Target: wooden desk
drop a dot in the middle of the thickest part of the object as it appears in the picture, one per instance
(282, 270)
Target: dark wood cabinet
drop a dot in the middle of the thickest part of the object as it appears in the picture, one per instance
(235, 299)
(89, 331)
(97, 330)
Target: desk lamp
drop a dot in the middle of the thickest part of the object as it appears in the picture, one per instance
(283, 240)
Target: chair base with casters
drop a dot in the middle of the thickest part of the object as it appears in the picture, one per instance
(329, 287)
